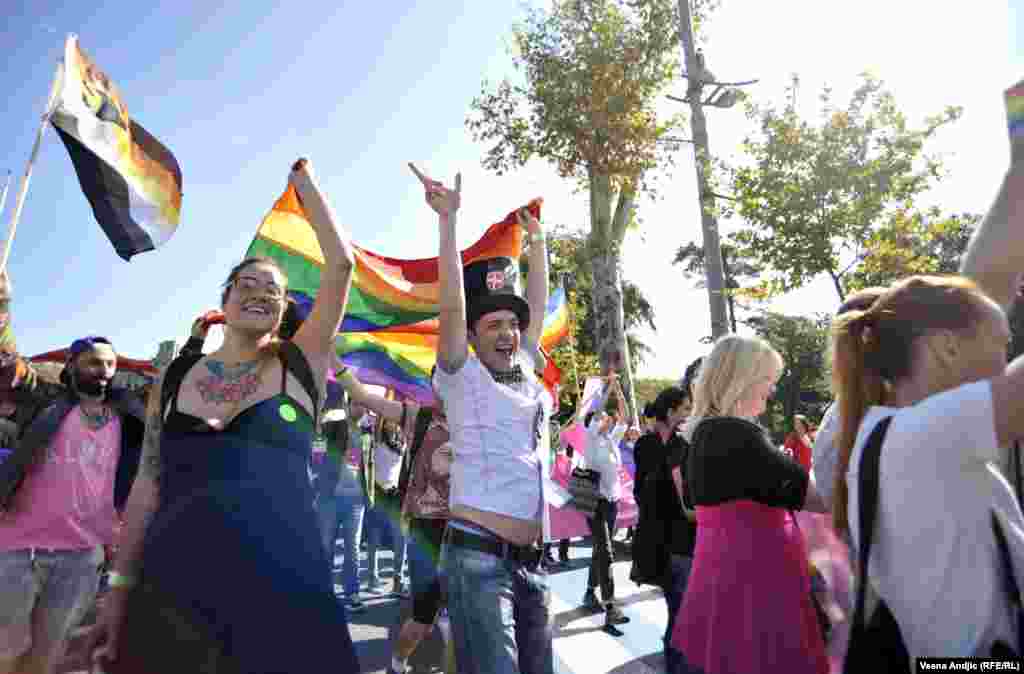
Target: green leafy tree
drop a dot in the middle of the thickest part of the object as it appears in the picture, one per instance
(812, 195)
(590, 73)
(740, 273)
(570, 265)
(648, 389)
(913, 242)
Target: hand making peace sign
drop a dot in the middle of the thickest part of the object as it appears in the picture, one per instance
(443, 200)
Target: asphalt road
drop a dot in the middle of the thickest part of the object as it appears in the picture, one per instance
(580, 644)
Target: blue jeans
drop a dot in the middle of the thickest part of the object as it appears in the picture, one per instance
(674, 592)
(344, 510)
(385, 524)
(499, 613)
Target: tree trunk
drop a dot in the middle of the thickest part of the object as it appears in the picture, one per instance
(606, 256)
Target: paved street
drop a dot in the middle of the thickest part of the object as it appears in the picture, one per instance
(580, 644)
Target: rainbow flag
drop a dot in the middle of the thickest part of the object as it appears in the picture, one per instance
(132, 181)
(1015, 109)
(556, 320)
(400, 361)
(386, 292)
(401, 358)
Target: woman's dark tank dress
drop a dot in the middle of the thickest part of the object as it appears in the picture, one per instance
(234, 577)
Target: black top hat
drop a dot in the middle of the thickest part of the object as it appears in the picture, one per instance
(492, 285)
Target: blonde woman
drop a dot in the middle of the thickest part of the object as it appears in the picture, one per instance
(749, 584)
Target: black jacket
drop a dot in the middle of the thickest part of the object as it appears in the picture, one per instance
(40, 417)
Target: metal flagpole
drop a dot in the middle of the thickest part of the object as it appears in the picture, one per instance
(55, 90)
(3, 197)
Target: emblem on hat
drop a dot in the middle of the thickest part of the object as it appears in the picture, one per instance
(496, 280)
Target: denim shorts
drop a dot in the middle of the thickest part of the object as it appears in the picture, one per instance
(44, 594)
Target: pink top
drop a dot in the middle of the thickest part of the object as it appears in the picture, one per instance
(67, 502)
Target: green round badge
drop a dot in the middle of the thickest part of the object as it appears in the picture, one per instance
(288, 413)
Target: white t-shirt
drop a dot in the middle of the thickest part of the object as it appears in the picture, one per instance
(934, 559)
(387, 466)
(604, 456)
(500, 435)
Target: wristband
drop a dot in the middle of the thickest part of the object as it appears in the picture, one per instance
(115, 579)
(537, 237)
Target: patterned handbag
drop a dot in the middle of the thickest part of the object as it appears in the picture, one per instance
(584, 488)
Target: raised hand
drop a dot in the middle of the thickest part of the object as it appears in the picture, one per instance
(444, 201)
(526, 220)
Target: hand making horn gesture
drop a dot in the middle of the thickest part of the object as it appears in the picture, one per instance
(443, 200)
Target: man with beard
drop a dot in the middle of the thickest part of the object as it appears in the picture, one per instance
(71, 470)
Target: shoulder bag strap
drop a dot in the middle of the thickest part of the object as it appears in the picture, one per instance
(867, 490)
(1010, 579)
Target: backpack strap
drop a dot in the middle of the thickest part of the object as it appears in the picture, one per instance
(294, 361)
(173, 376)
(867, 490)
(423, 419)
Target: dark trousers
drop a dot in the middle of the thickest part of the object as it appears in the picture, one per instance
(675, 590)
(602, 526)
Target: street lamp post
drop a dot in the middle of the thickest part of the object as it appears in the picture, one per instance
(725, 95)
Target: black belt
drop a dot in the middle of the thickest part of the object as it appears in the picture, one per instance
(523, 554)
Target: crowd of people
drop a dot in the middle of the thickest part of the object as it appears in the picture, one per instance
(243, 468)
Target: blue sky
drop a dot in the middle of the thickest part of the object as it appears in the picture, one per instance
(238, 91)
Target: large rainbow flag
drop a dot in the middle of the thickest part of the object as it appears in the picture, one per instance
(386, 292)
(402, 358)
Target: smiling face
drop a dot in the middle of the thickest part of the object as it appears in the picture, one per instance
(495, 338)
(254, 300)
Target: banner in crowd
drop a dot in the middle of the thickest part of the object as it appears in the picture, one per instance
(567, 522)
(386, 292)
(132, 181)
(142, 367)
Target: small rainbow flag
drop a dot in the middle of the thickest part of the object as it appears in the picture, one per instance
(386, 292)
(1015, 109)
(556, 320)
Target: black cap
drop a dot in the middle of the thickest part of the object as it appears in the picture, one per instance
(492, 285)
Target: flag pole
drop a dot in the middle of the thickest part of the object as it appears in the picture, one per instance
(55, 89)
(3, 197)
(572, 341)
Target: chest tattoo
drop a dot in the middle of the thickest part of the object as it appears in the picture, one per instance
(226, 384)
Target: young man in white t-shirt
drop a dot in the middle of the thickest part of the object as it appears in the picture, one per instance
(603, 454)
(498, 416)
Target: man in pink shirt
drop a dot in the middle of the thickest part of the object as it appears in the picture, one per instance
(72, 467)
